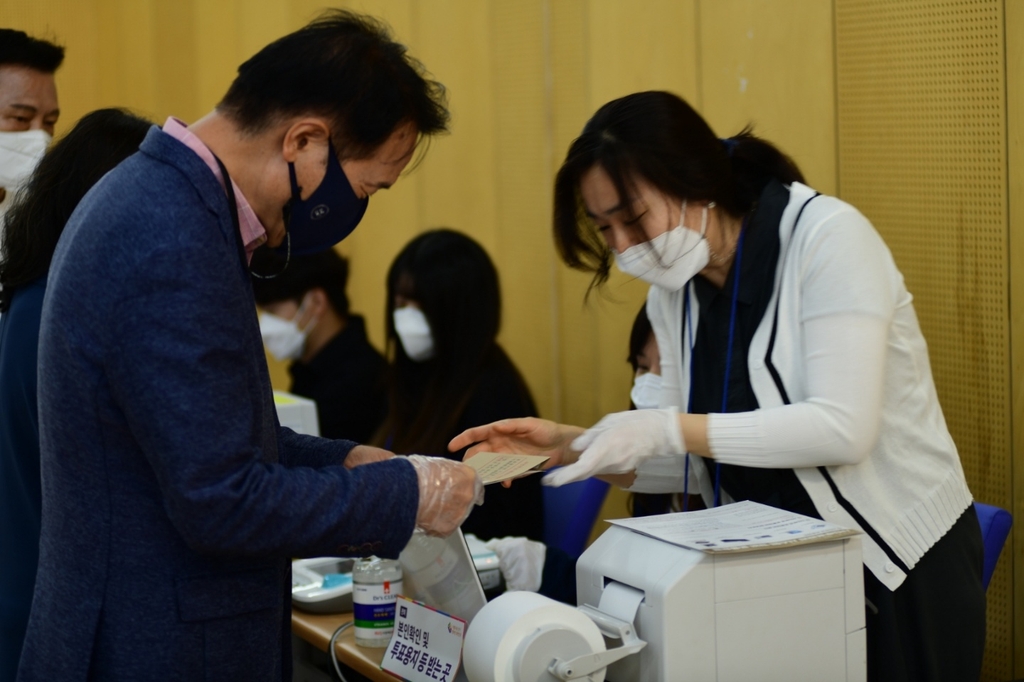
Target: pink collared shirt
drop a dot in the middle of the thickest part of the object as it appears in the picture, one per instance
(253, 232)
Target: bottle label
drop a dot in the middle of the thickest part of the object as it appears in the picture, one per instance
(374, 609)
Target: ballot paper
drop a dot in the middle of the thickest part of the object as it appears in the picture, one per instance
(497, 466)
(740, 527)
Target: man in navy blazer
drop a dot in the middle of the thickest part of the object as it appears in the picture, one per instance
(172, 498)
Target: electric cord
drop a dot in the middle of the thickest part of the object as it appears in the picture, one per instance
(333, 651)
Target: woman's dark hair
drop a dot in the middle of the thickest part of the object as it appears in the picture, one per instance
(326, 270)
(639, 335)
(98, 142)
(20, 49)
(453, 281)
(343, 66)
(658, 138)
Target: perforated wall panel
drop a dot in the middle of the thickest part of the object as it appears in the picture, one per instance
(922, 139)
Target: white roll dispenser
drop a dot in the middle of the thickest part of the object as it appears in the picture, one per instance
(524, 637)
(776, 614)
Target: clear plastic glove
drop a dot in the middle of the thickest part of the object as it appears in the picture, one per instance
(448, 491)
(620, 442)
(521, 561)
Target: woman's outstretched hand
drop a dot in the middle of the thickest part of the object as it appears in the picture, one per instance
(526, 436)
(620, 442)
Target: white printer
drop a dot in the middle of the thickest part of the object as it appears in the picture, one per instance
(659, 612)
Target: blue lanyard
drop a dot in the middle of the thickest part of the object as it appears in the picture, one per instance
(728, 362)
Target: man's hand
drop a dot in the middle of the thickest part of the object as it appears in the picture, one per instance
(448, 492)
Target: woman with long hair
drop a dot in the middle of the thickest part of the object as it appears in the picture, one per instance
(448, 371)
(97, 143)
(794, 371)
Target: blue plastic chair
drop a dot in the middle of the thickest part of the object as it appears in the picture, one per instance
(995, 527)
(570, 512)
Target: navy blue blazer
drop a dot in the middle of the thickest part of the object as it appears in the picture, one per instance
(172, 498)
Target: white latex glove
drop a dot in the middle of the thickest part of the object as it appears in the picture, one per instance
(521, 561)
(448, 491)
(620, 442)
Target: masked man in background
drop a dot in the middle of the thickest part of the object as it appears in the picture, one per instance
(28, 107)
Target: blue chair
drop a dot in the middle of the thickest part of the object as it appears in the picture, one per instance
(995, 527)
(570, 512)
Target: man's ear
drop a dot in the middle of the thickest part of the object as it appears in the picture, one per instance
(302, 134)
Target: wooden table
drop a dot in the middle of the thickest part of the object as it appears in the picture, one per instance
(318, 629)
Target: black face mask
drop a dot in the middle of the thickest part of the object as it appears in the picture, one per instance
(329, 215)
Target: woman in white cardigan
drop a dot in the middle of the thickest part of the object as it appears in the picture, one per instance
(794, 370)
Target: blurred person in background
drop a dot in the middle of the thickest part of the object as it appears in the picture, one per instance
(305, 320)
(448, 370)
(645, 359)
(646, 363)
(97, 143)
(28, 107)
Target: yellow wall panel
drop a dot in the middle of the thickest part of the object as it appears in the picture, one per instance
(641, 46)
(522, 243)
(458, 175)
(576, 348)
(773, 68)
(175, 66)
(217, 51)
(260, 23)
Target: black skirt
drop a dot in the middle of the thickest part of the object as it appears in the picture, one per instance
(933, 626)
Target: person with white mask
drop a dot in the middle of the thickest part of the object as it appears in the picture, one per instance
(794, 371)
(645, 360)
(28, 107)
(448, 371)
(305, 320)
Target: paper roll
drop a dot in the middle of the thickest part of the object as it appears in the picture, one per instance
(517, 624)
(621, 601)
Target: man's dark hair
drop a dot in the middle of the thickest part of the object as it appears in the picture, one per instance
(326, 270)
(97, 143)
(343, 66)
(19, 49)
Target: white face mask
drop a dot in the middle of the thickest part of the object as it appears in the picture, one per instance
(282, 337)
(646, 393)
(670, 260)
(19, 155)
(414, 332)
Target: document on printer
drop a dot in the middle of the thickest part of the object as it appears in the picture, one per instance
(740, 527)
(496, 466)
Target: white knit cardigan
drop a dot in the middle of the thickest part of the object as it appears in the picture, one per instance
(892, 458)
